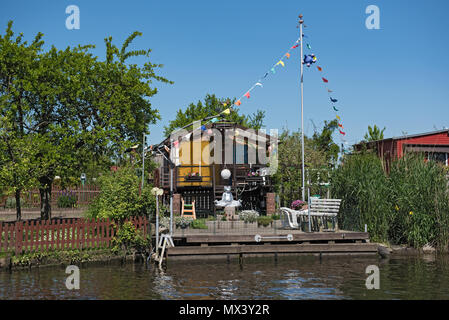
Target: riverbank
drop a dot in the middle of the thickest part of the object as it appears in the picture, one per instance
(67, 257)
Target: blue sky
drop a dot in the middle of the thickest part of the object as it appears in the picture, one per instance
(395, 77)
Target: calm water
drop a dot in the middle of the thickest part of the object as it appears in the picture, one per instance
(257, 278)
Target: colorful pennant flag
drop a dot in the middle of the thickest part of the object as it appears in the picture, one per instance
(287, 55)
(295, 46)
(325, 80)
(308, 46)
(259, 84)
(343, 133)
(340, 125)
(213, 120)
(281, 63)
(272, 70)
(337, 117)
(319, 68)
(333, 100)
(266, 74)
(335, 108)
(228, 111)
(247, 95)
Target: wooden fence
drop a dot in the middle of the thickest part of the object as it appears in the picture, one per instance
(61, 234)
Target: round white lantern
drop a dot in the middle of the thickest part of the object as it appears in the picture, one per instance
(225, 173)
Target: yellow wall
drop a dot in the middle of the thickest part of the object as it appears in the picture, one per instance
(190, 157)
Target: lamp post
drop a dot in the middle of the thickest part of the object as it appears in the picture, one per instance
(157, 192)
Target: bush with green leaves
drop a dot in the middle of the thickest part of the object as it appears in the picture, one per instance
(129, 239)
(119, 198)
(198, 224)
(11, 203)
(183, 222)
(408, 206)
(264, 221)
(249, 216)
(67, 201)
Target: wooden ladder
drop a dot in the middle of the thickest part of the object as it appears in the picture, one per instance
(188, 210)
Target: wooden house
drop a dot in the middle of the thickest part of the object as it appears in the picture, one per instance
(200, 155)
(435, 146)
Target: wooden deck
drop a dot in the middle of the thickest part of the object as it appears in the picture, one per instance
(317, 243)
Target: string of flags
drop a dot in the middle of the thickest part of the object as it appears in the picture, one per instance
(247, 95)
(309, 59)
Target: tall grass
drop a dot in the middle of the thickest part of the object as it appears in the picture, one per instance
(408, 206)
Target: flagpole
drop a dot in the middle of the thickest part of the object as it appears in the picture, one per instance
(302, 105)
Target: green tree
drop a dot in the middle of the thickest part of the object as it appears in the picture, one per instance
(79, 109)
(323, 142)
(374, 133)
(210, 107)
(18, 61)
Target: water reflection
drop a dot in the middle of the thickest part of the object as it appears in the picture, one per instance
(258, 278)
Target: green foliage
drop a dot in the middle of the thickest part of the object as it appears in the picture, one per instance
(198, 224)
(182, 222)
(11, 203)
(211, 107)
(67, 201)
(119, 198)
(288, 177)
(374, 133)
(129, 239)
(410, 206)
(276, 217)
(264, 221)
(65, 111)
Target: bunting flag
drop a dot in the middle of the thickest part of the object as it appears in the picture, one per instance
(266, 74)
(308, 46)
(272, 70)
(334, 100)
(238, 103)
(340, 125)
(319, 68)
(335, 108)
(281, 63)
(343, 133)
(337, 117)
(228, 111)
(329, 90)
(259, 84)
(325, 80)
(287, 55)
(295, 46)
(213, 120)
(247, 95)
(175, 144)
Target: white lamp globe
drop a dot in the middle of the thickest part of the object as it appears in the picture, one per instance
(225, 173)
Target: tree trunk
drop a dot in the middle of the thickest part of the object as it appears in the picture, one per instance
(45, 193)
(18, 207)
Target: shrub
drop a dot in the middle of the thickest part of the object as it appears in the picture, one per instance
(11, 203)
(276, 217)
(119, 198)
(129, 239)
(297, 204)
(264, 221)
(67, 200)
(182, 222)
(198, 224)
(248, 216)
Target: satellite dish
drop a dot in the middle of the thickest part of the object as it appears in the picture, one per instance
(225, 173)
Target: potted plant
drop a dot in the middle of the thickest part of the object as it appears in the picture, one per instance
(182, 222)
(297, 205)
(193, 176)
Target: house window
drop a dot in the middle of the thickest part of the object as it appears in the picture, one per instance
(440, 157)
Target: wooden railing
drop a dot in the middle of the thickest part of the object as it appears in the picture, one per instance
(61, 234)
